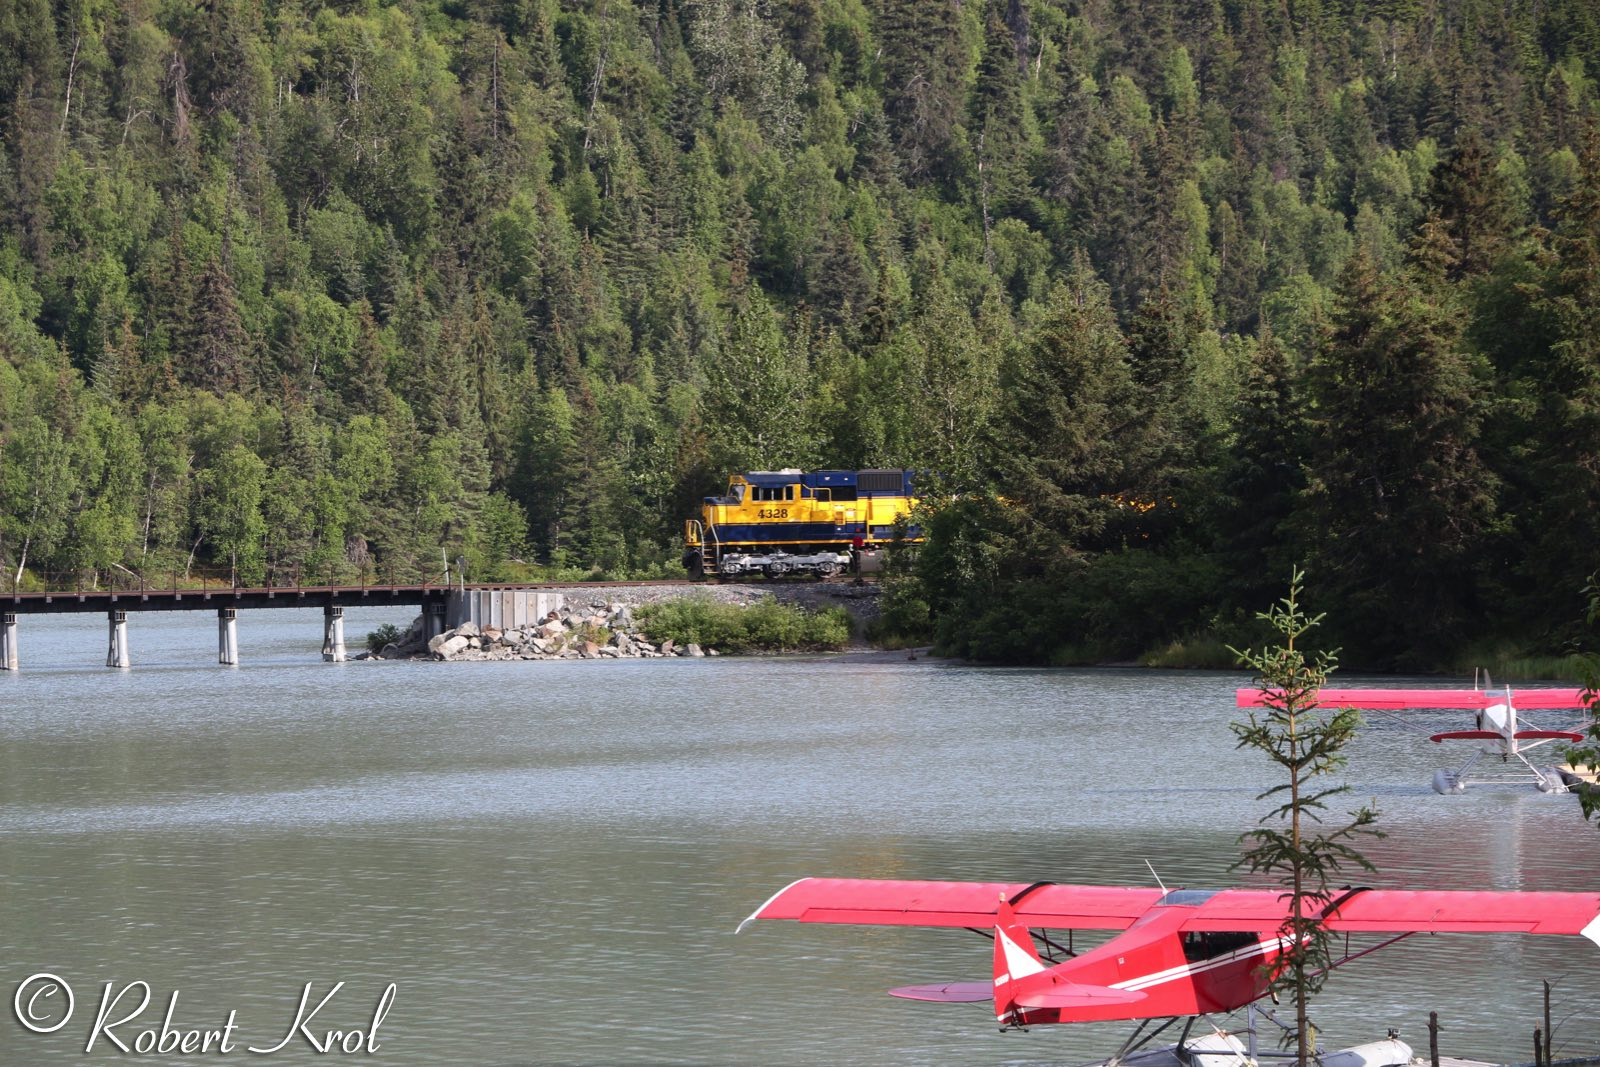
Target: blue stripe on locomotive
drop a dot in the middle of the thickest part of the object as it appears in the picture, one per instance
(831, 479)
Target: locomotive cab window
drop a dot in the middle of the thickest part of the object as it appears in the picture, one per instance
(767, 493)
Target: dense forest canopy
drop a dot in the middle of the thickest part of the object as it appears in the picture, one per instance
(1171, 294)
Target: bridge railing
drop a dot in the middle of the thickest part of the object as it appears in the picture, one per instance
(122, 580)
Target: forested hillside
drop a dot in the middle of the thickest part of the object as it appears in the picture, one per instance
(1172, 294)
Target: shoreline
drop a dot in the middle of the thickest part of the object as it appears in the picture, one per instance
(603, 625)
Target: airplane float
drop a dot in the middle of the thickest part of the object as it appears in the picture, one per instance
(1497, 722)
(1181, 953)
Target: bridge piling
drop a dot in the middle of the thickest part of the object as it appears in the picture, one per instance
(432, 619)
(228, 636)
(8, 641)
(117, 646)
(333, 633)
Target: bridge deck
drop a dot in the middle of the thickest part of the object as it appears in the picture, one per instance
(227, 597)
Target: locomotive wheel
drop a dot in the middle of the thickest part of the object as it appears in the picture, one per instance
(827, 570)
(775, 570)
(695, 564)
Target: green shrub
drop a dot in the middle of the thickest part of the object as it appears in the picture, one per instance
(387, 634)
(766, 626)
(906, 620)
(1204, 651)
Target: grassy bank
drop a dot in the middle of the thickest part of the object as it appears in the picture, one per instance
(766, 626)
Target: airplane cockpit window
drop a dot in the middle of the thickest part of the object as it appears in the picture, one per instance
(1187, 897)
(1210, 945)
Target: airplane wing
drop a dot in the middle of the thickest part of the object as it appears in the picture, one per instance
(1060, 995)
(1405, 699)
(872, 902)
(948, 992)
(1395, 911)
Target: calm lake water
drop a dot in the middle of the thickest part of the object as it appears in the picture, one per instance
(548, 859)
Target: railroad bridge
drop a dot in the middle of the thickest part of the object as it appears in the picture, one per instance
(443, 607)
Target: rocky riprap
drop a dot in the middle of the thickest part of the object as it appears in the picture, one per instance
(601, 630)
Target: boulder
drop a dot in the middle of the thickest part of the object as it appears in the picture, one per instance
(435, 642)
(450, 646)
(589, 649)
(669, 646)
(468, 629)
(693, 650)
(411, 641)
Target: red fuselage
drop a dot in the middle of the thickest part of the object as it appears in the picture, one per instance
(1178, 973)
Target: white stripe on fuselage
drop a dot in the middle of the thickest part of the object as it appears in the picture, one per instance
(1145, 981)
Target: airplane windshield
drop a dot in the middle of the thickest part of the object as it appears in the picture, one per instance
(1187, 898)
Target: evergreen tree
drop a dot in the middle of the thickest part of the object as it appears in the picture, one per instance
(922, 75)
(1303, 860)
(1473, 203)
(215, 347)
(998, 127)
(1398, 501)
(1263, 476)
(1071, 432)
(1563, 470)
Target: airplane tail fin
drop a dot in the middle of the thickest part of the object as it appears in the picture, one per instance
(1015, 960)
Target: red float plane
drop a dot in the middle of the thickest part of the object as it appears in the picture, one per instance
(1497, 722)
(1181, 953)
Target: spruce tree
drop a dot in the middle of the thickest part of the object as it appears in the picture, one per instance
(998, 129)
(1398, 502)
(1475, 206)
(1563, 469)
(1263, 474)
(1291, 846)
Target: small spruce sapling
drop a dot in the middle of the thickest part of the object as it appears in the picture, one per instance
(1292, 845)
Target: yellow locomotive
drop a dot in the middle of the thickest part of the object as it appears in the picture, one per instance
(790, 521)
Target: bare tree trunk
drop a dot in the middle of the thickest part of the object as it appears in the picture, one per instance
(594, 86)
(72, 70)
